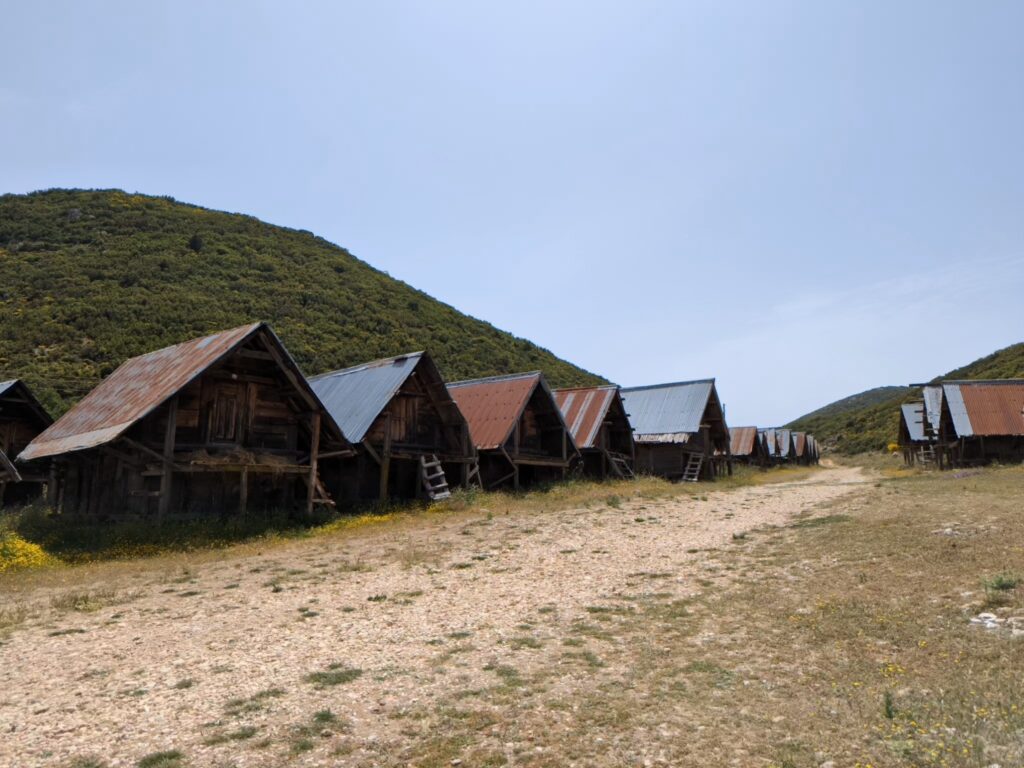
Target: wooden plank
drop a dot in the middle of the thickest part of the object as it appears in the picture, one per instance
(314, 457)
(168, 459)
(243, 492)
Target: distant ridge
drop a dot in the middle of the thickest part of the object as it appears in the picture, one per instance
(90, 278)
(870, 420)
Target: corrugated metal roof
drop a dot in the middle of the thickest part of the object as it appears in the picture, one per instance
(784, 437)
(913, 418)
(991, 408)
(584, 410)
(492, 406)
(667, 409)
(770, 441)
(933, 407)
(800, 443)
(741, 440)
(140, 386)
(356, 396)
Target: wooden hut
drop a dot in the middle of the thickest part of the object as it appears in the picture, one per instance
(216, 425)
(517, 429)
(22, 417)
(979, 421)
(917, 447)
(771, 445)
(415, 438)
(784, 451)
(813, 451)
(600, 428)
(801, 448)
(747, 445)
(678, 429)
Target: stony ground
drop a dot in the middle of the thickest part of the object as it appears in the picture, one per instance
(358, 649)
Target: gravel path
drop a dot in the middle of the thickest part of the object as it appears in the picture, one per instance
(211, 658)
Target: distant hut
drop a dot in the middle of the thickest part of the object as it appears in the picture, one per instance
(980, 421)
(917, 447)
(678, 429)
(600, 428)
(216, 425)
(22, 417)
(517, 429)
(771, 445)
(801, 450)
(812, 444)
(747, 445)
(415, 438)
(784, 442)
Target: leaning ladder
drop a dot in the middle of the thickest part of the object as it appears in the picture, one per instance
(620, 465)
(435, 484)
(691, 474)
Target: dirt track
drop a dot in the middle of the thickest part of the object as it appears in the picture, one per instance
(423, 609)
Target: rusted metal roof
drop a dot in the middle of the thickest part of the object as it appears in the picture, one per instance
(913, 420)
(742, 440)
(770, 442)
(800, 443)
(986, 408)
(492, 406)
(142, 384)
(585, 410)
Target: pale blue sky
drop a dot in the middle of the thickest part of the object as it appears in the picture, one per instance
(802, 199)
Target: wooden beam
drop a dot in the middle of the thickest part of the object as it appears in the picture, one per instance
(243, 492)
(168, 459)
(150, 452)
(314, 457)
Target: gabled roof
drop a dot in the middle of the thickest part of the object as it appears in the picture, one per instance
(356, 396)
(933, 398)
(800, 443)
(742, 440)
(668, 409)
(992, 407)
(142, 384)
(585, 409)
(784, 439)
(492, 406)
(16, 388)
(913, 419)
(770, 441)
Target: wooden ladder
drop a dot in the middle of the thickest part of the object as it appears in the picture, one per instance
(620, 465)
(693, 465)
(926, 455)
(434, 482)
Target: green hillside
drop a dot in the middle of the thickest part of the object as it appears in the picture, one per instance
(90, 278)
(869, 421)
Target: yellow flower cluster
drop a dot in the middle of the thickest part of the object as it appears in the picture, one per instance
(18, 554)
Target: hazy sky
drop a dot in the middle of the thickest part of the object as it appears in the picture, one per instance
(804, 200)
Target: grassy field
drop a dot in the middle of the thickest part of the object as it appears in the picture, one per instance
(826, 622)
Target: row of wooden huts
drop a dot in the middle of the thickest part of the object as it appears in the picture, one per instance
(770, 447)
(964, 423)
(229, 422)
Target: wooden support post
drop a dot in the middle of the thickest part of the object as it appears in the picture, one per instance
(314, 457)
(385, 456)
(243, 492)
(164, 504)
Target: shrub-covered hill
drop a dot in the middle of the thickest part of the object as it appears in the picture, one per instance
(90, 278)
(870, 421)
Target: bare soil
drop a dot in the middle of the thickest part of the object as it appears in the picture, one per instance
(442, 617)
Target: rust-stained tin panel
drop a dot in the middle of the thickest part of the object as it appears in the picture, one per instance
(988, 408)
(585, 410)
(493, 406)
(800, 442)
(741, 440)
